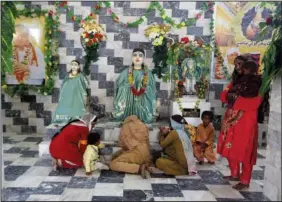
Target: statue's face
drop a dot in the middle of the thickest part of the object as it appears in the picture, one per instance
(74, 66)
(137, 58)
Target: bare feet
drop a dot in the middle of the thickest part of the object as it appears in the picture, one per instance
(240, 186)
(143, 171)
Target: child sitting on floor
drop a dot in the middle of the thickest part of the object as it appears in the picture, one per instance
(203, 145)
(91, 155)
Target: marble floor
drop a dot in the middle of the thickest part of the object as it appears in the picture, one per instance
(30, 178)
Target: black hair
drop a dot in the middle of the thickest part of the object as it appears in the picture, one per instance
(79, 70)
(235, 75)
(179, 119)
(139, 50)
(250, 65)
(208, 114)
(93, 138)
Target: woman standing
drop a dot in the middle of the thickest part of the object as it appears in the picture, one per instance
(179, 159)
(238, 138)
(67, 146)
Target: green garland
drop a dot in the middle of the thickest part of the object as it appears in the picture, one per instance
(160, 57)
(272, 58)
(153, 5)
(51, 53)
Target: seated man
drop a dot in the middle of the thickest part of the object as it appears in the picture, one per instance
(135, 156)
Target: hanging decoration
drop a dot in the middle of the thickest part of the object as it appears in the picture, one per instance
(158, 36)
(51, 56)
(91, 36)
(206, 6)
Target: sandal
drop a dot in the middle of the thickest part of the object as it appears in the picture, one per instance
(240, 186)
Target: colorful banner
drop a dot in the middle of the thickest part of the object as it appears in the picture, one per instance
(236, 32)
(28, 52)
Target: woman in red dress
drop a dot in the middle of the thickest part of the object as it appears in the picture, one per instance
(67, 146)
(238, 138)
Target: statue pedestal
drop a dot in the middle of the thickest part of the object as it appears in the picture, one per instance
(188, 104)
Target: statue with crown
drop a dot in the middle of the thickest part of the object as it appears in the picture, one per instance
(135, 91)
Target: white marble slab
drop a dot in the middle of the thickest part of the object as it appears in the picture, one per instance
(136, 182)
(108, 189)
(224, 191)
(196, 195)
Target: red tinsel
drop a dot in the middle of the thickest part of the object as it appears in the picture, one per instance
(137, 93)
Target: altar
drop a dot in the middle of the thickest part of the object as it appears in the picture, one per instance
(191, 115)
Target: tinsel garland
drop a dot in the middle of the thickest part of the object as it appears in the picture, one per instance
(153, 5)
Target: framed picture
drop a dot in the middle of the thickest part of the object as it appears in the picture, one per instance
(28, 51)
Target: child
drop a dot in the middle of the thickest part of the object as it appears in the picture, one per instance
(203, 145)
(91, 155)
(247, 86)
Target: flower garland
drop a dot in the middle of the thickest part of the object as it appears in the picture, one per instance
(153, 5)
(50, 53)
(92, 35)
(158, 36)
(131, 83)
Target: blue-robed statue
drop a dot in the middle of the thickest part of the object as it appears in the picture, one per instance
(135, 91)
(73, 95)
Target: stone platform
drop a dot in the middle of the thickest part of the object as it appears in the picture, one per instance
(109, 132)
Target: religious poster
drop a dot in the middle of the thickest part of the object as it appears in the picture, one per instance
(28, 52)
(236, 32)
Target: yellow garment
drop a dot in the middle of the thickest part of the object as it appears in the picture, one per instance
(192, 131)
(90, 155)
(204, 135)
(134, 140)
(129, 161)
(176, 163)
(133, 132)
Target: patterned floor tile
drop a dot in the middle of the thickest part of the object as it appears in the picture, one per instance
(106, 198)
(108, 189)
(110, 177)
(224, 191)
(44, 198)
(17, 193)
(258, 175)
(197, 195)
(29, 153)
(45, 162)
(13, 172)
(166, 190)
(138, 195)
(16, 150)
(136, 182)
(33, 139)
(212, 177)
(82, 182)
(52, 188)
(33, 179)
(191, 184)
(38, 171)
(254, 196)
(63, 172)
(77, 194)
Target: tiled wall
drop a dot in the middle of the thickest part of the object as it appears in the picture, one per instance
(32, 112)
